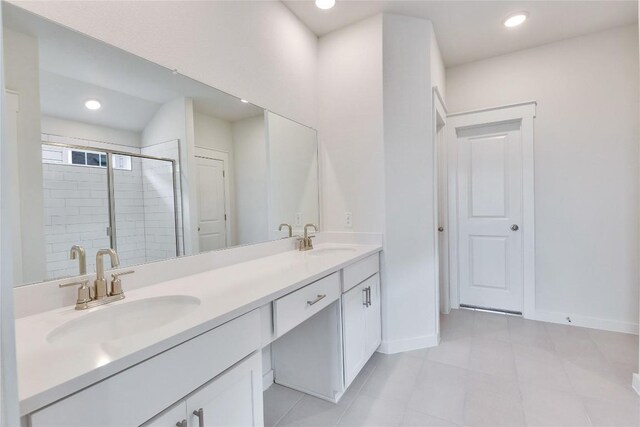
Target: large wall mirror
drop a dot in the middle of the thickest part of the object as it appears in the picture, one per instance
(114, 151)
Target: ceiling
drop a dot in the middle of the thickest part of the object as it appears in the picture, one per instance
(75, 67)
(472, 30)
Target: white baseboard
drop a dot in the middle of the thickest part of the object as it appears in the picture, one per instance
(586, 321)
(267, 380)
(636, 383)
(408, 344)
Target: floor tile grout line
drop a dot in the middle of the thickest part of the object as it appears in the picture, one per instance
(289, 410)
(357, 394)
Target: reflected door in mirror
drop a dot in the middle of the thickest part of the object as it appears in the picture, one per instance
(212, 214)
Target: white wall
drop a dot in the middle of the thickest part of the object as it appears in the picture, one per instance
(438, 73)
(293, 175)
(212, 132)
(350, 132)
(375, 131)
(21, 76)
(250, 165)
(73, 129)
(255, 50)
(586, 167)
(408, 274)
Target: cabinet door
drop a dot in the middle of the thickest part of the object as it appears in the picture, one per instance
(232, 399)
(373, 318)
(172, 417)
(354, 331)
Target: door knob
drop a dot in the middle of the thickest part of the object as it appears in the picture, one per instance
(441, 229)
(515, 227)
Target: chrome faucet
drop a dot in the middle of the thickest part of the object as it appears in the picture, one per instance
(288, 226)
(100, 285)
(99, 294)
(305, 243)
(79, 253)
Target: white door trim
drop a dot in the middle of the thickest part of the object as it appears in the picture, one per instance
(524, 112)
(439, 110)
(209, 153)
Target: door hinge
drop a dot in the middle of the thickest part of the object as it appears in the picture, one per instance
(225, 217)
(223, 173)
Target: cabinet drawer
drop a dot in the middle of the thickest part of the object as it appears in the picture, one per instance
(133, 396)
(355, 273)
(293, 309)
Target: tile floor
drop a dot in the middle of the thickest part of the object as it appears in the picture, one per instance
(489, 370)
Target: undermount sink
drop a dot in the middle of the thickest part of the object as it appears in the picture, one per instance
(330, 251)
(120, 320)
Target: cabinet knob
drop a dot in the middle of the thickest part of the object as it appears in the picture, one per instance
(200, 414)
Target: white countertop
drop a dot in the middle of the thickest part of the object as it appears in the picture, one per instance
(48, 372)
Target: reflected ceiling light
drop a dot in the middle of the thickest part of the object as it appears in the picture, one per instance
(515, 19)
(325, 4)
(93, 104)
(244, 100)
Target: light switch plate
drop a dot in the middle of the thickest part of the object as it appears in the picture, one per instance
(298, 218)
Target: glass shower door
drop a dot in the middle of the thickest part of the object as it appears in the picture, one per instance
(144, 209)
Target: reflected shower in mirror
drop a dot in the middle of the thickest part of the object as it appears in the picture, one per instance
(113, 151)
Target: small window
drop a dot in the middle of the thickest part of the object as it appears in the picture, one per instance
(94, 159)
(78, 158)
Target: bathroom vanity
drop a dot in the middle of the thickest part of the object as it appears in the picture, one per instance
(187, 352)
(197, 196)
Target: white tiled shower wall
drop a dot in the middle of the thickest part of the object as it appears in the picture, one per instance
(77, 212)
(158, 200)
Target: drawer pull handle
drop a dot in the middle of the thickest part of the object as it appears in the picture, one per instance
(321, 296)
(200, 414)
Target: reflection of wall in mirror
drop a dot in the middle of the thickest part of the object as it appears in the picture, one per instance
(293, 175)
(250, 162)
(21, 76)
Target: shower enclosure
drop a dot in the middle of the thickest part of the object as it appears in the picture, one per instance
(100, 198)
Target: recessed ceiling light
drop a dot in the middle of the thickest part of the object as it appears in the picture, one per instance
(515, 19)
(325, 4)
(93, 104)
(244, 100)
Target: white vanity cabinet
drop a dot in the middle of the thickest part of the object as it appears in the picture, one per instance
(325, 348)
(232, 399)
(361, 324)
(219, 371)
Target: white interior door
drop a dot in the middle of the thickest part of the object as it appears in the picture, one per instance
(212, 230)
(490, 216)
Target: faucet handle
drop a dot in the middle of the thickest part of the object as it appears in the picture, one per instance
(116, 283)
(79, 283)
(122, 273)
(84, 292)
